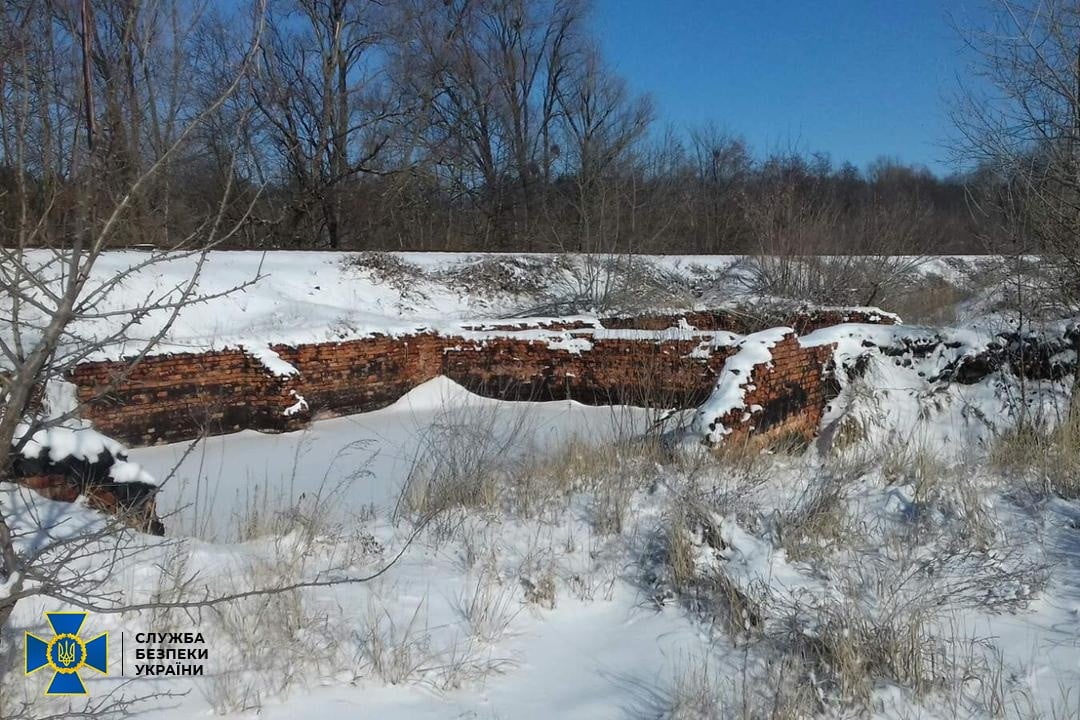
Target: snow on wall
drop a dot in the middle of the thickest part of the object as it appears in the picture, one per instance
(949, 391)
(772, 383)
(69, 461)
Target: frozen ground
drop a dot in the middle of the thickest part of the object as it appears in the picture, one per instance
(361, 461)
(576, 569)
(510, 610)
(292, 297)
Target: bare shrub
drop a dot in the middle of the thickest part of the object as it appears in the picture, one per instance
(612, 284)
(493, 275)
(833, 280)
(384, 266)
(928, 299)
(388, 269)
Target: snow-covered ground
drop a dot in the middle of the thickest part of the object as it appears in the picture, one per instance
(361, 461)
(292, 297)
(556, 612)
(501, 613)
(576, 569)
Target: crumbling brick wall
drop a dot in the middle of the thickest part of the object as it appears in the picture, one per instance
(361, 375)
(743, 323)
(644, 372)
(66, 479)
(183, 396)
(169, 398)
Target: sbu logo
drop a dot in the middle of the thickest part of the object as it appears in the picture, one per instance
(67, 653)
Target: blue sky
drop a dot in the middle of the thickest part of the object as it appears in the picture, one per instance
(854, 78)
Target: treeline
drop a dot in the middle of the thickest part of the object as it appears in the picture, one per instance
(414, 124)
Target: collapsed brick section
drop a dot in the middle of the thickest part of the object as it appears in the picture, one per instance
(65, 480)
(791, 391)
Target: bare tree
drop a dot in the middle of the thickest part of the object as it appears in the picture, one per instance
(811, 246)
(600, 121)
(491, 72)
(722, 166)
(329, 112)
(60, 218)
(1020, 126)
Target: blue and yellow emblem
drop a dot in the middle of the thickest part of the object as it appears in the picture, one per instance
(67, 653)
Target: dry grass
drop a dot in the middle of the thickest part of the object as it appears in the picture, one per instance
(877, 606)
(270, 644)
(818, 525)
(395, 652)
(680, 549)
(693, 530)
(700, 691)
(540, 589)
(401, 652)
(848, 649)
(1049, 461)
(473, 472)
(489, 607)
(471, 452)
(930, 300)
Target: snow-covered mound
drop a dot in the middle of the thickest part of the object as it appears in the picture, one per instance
(946, 390)
(255, 299)
(65, 462)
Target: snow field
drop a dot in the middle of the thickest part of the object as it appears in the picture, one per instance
(605, 576)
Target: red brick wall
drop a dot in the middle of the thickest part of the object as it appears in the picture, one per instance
(362, 375)
(803, 322)
(179, 397)
(169, 398)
